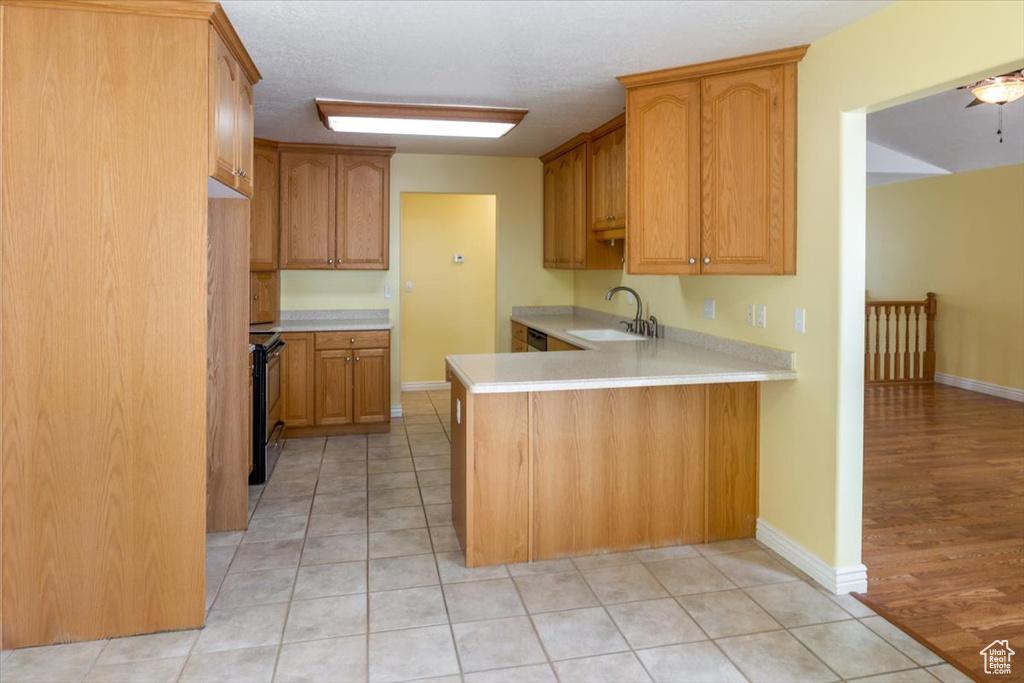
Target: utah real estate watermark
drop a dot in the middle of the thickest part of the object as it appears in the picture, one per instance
(997, 657)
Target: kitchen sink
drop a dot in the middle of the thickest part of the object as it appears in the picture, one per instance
(605, 335)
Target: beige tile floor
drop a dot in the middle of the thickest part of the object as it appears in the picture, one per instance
(351, 571)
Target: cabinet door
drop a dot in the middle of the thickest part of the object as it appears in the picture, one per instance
(334, 387)
(663, 174)
(608, 178)
(567, 174)
(307, 210)
(742, 194)
(550, 257)
(297, 379)
(224, 77)
(372, 385)
(244, 135)
(263, 297)
(362, 240)
(263, 219)
(578, 228)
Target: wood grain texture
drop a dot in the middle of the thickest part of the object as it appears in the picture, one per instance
(519, 331)
(227, 487)
(943, 504)
(371, 386)
(550, 201)
(742, 172)
(617, 469)
(498, 466)
(308, 228)
(244, 129)
(332, 380)
(297, 370)
(519, 346)
(104, 323)
(264, 295)
(353, 340)
(663, 177)
(461, 482)
(224, 76)
(363, 227)
(565, 208)
(789, 55)
(264, 230)
(555, 344)
(733, 412)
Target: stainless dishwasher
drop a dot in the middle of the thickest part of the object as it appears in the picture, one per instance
(536, 341)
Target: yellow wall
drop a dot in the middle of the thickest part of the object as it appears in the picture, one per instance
(452, 306)
(812, 429)
(521, 278)
(962, 237)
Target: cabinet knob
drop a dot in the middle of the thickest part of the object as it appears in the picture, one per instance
(255, 297)
(330, 260)
(707, 259)
(352, 340)
(348, 358)
(579, 260)
(692, 260)
(357, 359)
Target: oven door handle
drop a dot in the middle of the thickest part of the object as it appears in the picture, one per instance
(279, 430)
(278, 350)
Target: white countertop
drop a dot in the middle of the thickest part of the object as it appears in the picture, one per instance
(603, 365)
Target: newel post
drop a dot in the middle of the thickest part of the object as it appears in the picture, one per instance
(929, 340)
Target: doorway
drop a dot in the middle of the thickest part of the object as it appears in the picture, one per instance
(448, 282)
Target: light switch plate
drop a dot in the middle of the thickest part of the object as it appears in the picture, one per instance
(458, 258)
(762, 315)
(709, 309)
(800, 320)
(387, 292)
(408, 285)
(750, 314)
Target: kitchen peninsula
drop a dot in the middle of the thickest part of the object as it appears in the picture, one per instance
(623, 445)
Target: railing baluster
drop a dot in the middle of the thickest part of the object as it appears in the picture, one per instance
(906, 344)
(905, 357)
(877, 354)
(917, 342)
(888, 358)
(867, 342)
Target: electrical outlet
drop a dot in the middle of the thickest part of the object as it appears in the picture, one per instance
(800, 320)
(387, 292)
(750, 314)
(408, 285)
(709, 309)
(762, 316)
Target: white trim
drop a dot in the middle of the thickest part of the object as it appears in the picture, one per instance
(396, 411)
(980, 387)
(425, 386)
(836, 580)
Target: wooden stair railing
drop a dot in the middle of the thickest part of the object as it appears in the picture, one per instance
(893, 348)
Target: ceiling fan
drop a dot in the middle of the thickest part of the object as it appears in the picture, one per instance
(998, 90)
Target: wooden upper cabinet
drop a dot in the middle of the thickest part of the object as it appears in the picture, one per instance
(362, 195)
(334, 207)
(264, 236)
(570, 240)
(308, 185)
(231, 118)
(747, 172)
(550, 258)
(711, 167)
(663, 172)
(608, 179)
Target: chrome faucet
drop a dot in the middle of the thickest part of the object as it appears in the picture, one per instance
(648, 327)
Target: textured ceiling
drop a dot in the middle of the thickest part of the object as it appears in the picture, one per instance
(557, 59)
(939, 130)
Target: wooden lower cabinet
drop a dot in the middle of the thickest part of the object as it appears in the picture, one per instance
(555, 344)
(337, 382)
(543, 475)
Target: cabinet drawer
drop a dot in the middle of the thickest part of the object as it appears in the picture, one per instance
(519, 346)
(519, 332)
(378, 339)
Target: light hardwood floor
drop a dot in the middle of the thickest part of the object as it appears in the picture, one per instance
(944, 517)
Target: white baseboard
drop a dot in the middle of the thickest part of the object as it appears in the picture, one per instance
(396, 411)
(980, 387)
(836, 580)
(425, 386)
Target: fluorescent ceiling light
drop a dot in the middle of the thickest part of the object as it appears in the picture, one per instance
(417, 119)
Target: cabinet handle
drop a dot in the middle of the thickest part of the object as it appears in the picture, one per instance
(348, 358)
(692, 260)
(255, 297)
(707, 259)
(357, 359)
